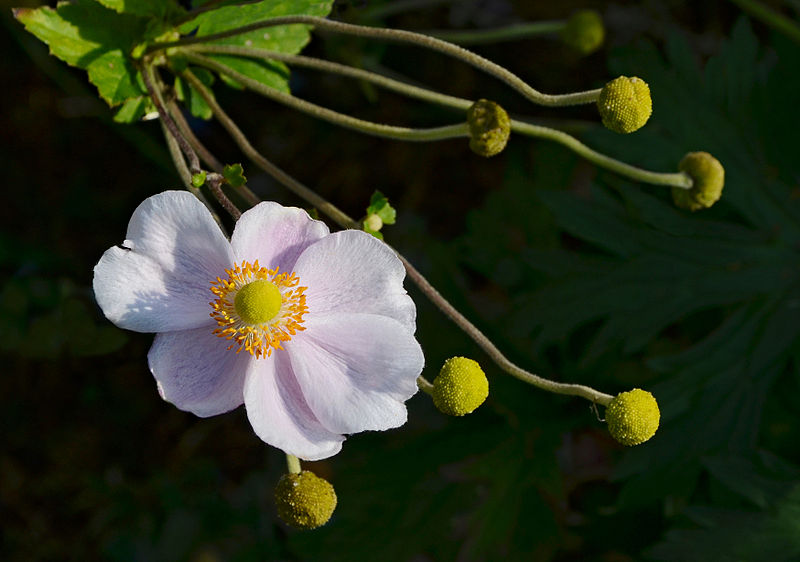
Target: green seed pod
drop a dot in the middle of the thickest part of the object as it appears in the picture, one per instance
(633, 417)
(460, 387)
(625, 104)
(584, 31)
(304, 500)
(708, 176)
(489, 128)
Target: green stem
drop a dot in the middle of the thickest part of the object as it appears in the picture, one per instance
(368, 127)
(676, 179)
(770, 17)
(282, 177)
(680, 180)
(509, 33)
(492, 350)
(293, 464)
(398, 35)
(341, 69)
(425, 385)
(343, 220)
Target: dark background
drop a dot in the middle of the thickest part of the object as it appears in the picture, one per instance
(93, 465)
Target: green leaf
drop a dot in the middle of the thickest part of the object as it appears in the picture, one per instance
(161, 9)
(132, 110)
(234, 175)
(285, 39)
(191, 98)
(90, 36)
(733, 535)
(379, 205)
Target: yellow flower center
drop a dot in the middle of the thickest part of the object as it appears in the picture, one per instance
(258, 308)
(258, 302)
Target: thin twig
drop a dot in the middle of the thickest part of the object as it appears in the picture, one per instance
(149, 77)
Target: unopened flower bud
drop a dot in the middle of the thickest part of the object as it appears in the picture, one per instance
(373, 222)
(708, 177)
(584, 31)
(460, 387)
(633, 417)
(489, 128)
(304, 500)
(625, 104)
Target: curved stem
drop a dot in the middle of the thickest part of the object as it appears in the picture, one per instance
(679, 179)
(346, 222)
(368, 127)
(425, 385)
(497, 35)
(402, 36)
(676, 179)
(341, 69)
(492, 350)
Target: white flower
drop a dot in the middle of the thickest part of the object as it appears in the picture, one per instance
(312, 331)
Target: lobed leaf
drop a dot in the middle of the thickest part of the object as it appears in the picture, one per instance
(90, 36)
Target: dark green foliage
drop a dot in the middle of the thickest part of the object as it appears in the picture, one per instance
(720, 287)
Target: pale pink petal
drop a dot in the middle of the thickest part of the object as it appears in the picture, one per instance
(275, 235)
(195, 371)
(352, 271)
(159, 279)
(279, 413)
(356, 370)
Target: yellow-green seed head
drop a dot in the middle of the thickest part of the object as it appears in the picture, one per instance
(489, 128)
(584, 31)
(258, 301)
(304, 500)
(460, 387)
(633, 417)
(708, 176)
(625, 104)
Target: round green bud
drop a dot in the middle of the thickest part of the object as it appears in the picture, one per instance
(584, 31)
(708, 177)
(304, 500)
(489, 128)
(373, 222)
(633, 417)
(460, 387)
(625, 104)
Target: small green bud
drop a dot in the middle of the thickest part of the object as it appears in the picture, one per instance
(489, 128)
(373, 223)
(199, 179)
(584, 31)
(625, 104)
(304, 500)
(633, 417)
(708, 177)
(460, 387)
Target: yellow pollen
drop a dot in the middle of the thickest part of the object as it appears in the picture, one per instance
(258, 308)
(257, 302)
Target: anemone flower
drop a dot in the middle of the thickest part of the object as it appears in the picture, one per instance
(311, 331)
